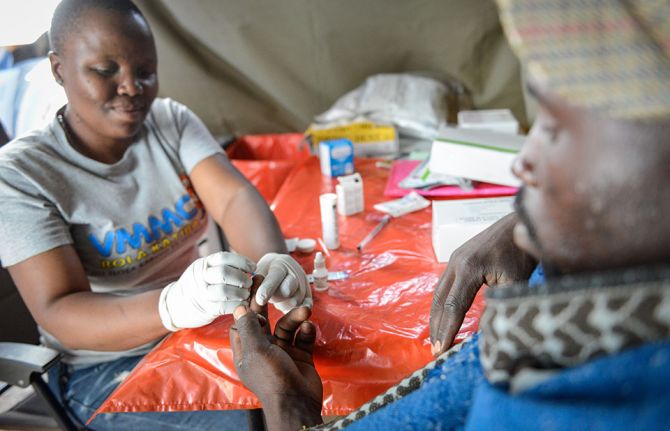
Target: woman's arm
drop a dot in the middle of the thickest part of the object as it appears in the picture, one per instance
(56, 290)
(237, 207)
(252, 231)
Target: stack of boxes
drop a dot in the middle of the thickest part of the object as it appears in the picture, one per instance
(482, 148)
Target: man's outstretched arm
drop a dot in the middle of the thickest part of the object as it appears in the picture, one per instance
(491, 258)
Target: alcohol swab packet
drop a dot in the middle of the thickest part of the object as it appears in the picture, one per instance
(409, 203)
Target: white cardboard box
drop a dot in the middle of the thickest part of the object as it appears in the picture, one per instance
(498, 120)
(350, 196)
(456, 221)
(480, 155)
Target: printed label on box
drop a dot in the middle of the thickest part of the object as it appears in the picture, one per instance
(337, 157)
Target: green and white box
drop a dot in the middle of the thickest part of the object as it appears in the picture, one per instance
(480, 155)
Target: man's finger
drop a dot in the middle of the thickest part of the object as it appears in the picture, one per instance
(255, 306)
(458, 302)
(290, 322)
(260, 310)
(439, 296)
(235, 342)
(306, 336)
(252, 336)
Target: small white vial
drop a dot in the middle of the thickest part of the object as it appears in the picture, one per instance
(320, 273)
(331, 234)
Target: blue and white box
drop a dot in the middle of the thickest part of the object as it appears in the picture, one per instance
(337, 157)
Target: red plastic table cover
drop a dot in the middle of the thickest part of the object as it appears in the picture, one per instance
(372, 327)
(267, 160)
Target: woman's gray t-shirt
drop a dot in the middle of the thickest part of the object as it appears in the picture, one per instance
(134, 223)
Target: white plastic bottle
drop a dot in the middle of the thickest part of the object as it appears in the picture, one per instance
(331, 234)
(320, 273)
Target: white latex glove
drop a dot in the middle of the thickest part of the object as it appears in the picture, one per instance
(210, 287)
(285, 284)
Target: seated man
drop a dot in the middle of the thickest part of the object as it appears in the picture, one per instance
(589, 344)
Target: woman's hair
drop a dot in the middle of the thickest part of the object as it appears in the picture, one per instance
(68, 14)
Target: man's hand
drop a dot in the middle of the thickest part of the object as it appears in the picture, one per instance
(210, 286)
(279, 367)
(285, 284)
(491, 258)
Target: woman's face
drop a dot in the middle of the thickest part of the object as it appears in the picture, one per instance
(108, 70)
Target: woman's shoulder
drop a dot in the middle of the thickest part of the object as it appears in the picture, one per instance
(165, 109)
(34, 161)
(37, 146)
(170, 118)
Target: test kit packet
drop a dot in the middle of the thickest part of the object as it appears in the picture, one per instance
(336, 157)
(409, 203)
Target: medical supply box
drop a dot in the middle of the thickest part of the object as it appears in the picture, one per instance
(480, 155)
(368, 138)
(456, 221)
(350, 196)
(337, 157)
(497, 120)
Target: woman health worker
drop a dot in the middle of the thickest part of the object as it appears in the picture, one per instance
(101, 211)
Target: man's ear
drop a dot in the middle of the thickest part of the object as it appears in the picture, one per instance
(56, 67)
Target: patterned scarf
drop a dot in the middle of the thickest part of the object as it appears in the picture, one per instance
(528, 334)
(609, 56)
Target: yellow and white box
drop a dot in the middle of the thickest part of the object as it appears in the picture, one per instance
(369, 139)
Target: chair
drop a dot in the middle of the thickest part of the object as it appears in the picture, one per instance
(22, 364)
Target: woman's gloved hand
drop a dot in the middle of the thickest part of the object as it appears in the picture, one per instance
(285, 284)
(210, 287)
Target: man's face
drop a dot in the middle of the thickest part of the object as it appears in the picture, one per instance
(590, 195)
